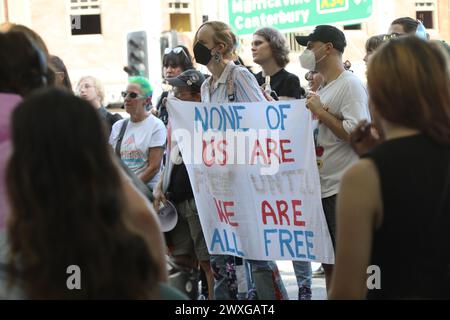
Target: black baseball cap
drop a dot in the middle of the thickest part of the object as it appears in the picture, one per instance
(325, 34)
(190, 78)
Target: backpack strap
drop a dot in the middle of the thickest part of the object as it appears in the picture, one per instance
(231, 94)
(120, 138)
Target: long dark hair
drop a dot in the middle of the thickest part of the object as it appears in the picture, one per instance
(21, 67)
(409, 81)
(67, 204)
(182, 60)
(58, 66)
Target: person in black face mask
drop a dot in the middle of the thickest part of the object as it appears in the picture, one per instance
(214, 46)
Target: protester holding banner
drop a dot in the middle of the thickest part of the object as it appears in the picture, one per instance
(270, 51)
(396, 229)
(339, 104)
(214, 47)
(142, 138)
(186, 241)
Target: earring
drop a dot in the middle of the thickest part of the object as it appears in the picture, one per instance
(217, 57)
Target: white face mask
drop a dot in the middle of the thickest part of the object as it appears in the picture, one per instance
(308, 60)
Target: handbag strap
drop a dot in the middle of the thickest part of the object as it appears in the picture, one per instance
(120, 138)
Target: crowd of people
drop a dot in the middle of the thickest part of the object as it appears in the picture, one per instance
(82, 186)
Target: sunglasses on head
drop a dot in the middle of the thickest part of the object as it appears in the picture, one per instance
(176, 50)
(132, 95)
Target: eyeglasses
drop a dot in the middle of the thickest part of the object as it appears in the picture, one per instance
(176, 50)
(132, 95)
(391, 36)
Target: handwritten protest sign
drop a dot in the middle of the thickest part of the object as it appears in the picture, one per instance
(253, 170)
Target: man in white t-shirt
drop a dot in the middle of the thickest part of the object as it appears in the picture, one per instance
(339, 104)
(143, 143)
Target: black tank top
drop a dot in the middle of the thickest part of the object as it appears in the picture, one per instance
(412, 246)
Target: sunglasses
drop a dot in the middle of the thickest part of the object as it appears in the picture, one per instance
(132, 95)
(176, 50)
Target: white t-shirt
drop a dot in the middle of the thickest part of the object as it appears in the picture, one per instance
(347, 99)
(137, 140)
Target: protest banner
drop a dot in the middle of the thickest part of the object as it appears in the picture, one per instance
(253, 170)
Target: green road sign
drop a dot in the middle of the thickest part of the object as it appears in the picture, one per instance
(246, 16)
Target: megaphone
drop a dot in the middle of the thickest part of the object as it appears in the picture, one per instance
(168, 216)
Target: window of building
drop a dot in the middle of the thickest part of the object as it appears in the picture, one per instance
(180, 22)
(177, 6)
(85, 17)
(353, 27)
(180, 15)
(426, 12)
(426, 17)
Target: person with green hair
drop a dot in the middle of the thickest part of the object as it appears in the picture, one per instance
(140, 140)
(145, 86)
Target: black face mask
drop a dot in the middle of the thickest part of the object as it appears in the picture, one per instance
(202, 54)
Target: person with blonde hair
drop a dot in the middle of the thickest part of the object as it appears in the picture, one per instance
(393, 209)
(90, 88)
(214, 47)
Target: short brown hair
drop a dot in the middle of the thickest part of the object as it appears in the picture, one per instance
(409, 81)
(408, 24)
(277, 43)
(374, 42)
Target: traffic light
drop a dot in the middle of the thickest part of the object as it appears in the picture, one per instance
(137, 54)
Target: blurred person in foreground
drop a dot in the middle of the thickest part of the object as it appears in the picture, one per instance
(21, 73)
(400, 218)
(37, 41)
(72, 206)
